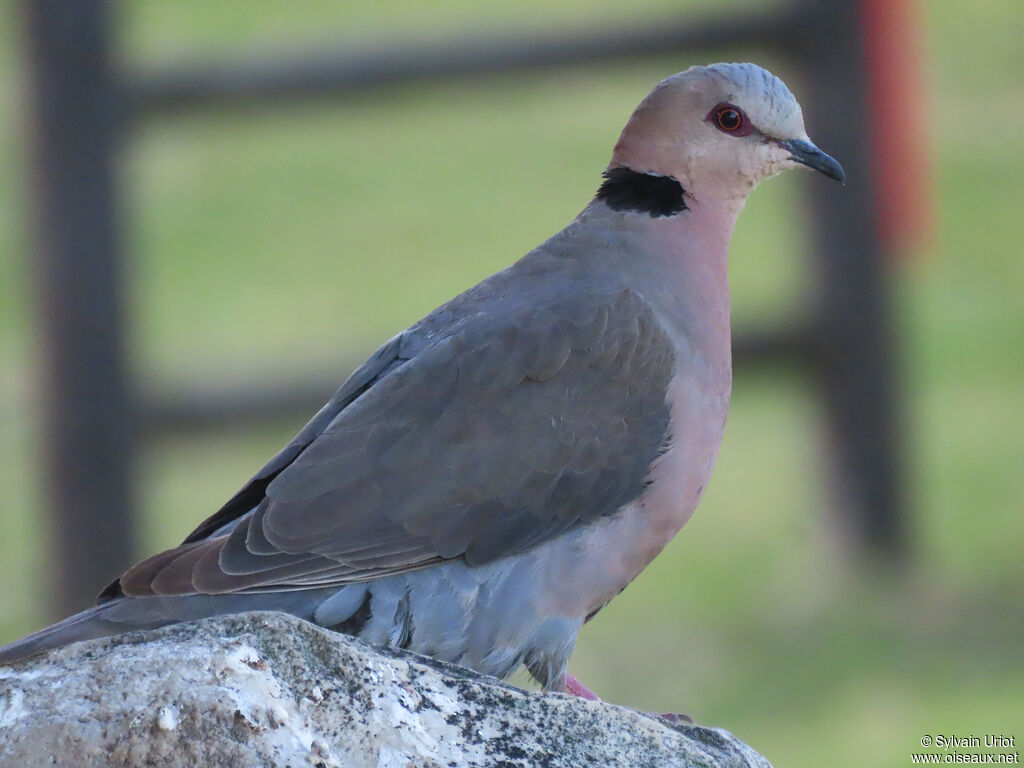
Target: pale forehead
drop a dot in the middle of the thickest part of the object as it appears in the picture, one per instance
(763, 96)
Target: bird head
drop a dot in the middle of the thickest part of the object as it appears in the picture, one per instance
(719, 130)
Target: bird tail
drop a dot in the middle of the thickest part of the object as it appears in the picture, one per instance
(131, 613)
(87, 625)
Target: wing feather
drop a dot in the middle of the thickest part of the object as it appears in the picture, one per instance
(509, 431)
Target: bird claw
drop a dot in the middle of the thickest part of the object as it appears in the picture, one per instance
(675, 718)
(576, 688)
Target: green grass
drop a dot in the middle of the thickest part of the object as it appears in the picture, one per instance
(295, 240)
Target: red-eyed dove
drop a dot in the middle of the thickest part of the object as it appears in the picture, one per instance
(495, 474)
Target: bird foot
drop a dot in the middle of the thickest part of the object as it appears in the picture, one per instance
(576, 688)
(675, 718)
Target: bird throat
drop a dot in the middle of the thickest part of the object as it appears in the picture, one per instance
(624, 189)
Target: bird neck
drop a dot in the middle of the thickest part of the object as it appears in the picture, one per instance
(624, 189)
(678, 260)
(694, 279)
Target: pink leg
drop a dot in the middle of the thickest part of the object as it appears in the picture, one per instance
(576, 688)
(676, 718)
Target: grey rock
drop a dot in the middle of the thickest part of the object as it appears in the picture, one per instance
(267, 689)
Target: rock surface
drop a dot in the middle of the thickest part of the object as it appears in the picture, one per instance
(266, 689)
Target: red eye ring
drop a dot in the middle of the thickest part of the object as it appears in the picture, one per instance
(729, 119)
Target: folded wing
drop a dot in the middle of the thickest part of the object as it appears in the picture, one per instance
(505, 433)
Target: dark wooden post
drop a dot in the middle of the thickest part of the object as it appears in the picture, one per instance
(89, 435)
(854, 323)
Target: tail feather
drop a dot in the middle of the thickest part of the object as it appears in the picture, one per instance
(127, 614)
(87, 625)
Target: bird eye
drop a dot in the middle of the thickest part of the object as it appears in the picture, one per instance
(729, 119)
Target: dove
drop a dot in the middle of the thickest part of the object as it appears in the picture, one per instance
(495, 474)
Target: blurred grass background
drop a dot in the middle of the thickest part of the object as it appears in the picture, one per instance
(299, 239)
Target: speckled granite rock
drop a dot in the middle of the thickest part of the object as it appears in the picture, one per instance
(266, 689)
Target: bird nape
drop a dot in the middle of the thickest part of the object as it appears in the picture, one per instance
(496, 473)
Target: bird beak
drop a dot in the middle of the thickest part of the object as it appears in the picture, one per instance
(805, 153)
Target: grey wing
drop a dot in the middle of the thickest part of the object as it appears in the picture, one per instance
(380, 363)
(505, 433)
(389, 356)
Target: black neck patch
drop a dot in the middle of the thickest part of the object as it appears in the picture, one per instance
(624, 189)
